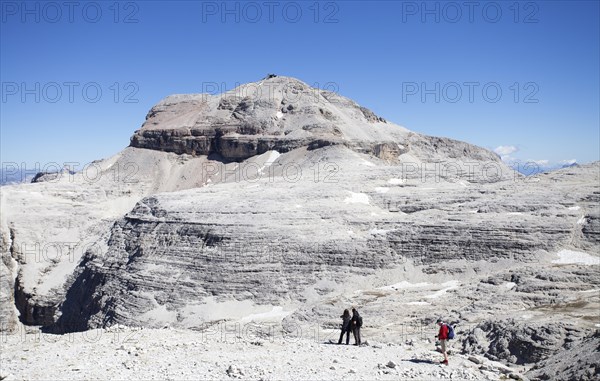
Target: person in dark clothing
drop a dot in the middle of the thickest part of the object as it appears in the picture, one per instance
(345, 327)
(355, 324)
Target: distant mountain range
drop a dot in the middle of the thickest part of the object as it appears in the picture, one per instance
(11, 175)
(15, 177)
(533, 168)
(26, 175)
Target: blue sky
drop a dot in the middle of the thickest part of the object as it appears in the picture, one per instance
(393, 57)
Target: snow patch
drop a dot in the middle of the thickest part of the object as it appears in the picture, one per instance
(576, 257)
(379, 231)
(581, 221)
(279, 115)
(592, 290)
(576, 207)
(403, 284)
(381, 189)
(396, 181)
(271, 156)
(448, 286)
(276, 313)
(357, 198)
(509, 285)
(418, 303)
(160, 314)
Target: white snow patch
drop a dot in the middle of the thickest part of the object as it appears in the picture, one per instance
(396, 181)
(576, 257)
(357, 198)
(581, 221)
(576, 207)
(378, 231)
(403, 284)
(418, 303)
(526, 316)
(279, 115)
(368, 163)
(509, 285)
(381, 189)
(159, 314)
(271, 156)
(592, 290)
(514, 214)
(276, 313)
(474, 211)
(448, 286)
(597, 325)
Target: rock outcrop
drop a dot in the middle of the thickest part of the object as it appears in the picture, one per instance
(578, 361)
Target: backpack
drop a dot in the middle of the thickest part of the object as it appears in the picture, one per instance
(450, 332)
(359, 321)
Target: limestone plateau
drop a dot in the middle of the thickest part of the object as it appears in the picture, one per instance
(278, 202)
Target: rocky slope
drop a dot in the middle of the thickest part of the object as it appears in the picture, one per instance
(279, 200)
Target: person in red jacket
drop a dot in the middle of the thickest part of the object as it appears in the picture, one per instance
(443, 337)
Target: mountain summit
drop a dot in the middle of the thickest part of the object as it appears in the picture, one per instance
(277, 113)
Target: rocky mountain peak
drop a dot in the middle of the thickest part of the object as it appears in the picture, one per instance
(276, 113)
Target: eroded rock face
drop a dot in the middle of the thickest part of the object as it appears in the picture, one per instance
(271, 241)
(512, 342)
(578, 361)
(559, 350)
(47, 226)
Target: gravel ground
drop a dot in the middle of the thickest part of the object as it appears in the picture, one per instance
(129, 353)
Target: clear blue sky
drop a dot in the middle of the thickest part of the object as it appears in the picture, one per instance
(381, 54)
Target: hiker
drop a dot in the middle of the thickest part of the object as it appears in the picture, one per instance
(355, 324)
(345, 326)
(443, 338)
